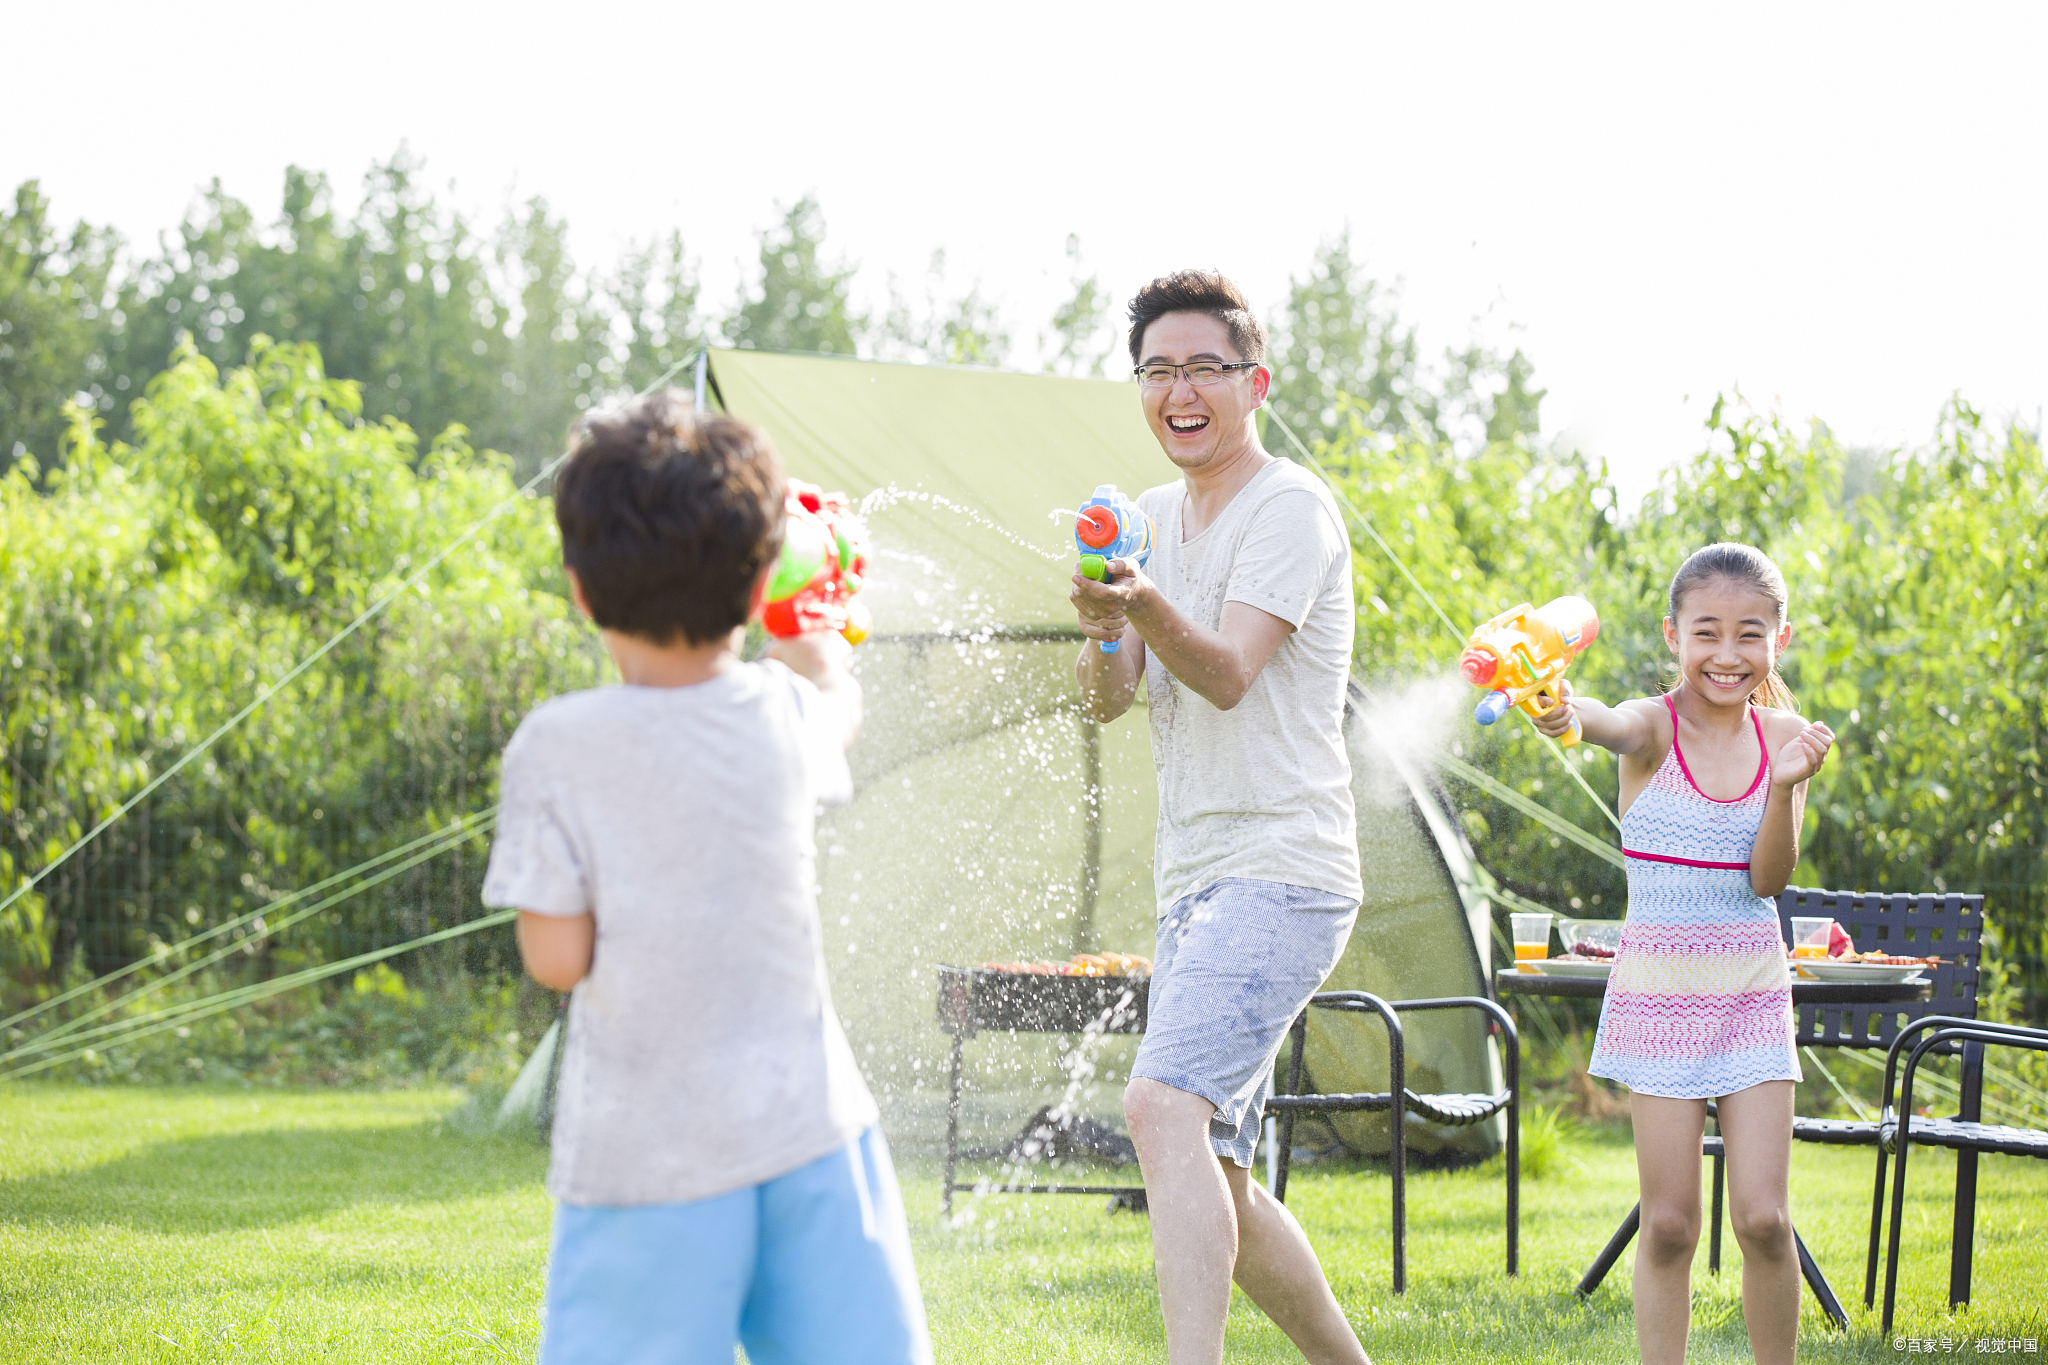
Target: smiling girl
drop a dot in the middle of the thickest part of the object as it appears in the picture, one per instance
(1699, 1007)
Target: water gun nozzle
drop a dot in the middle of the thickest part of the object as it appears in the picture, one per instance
(1096, 528)
(1478, 666)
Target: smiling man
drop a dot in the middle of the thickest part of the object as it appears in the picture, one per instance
(1241, 633)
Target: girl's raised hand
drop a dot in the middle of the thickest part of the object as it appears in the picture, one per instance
(1802, 756)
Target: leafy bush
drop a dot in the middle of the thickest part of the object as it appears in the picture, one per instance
(149, 592)
(374, 1029)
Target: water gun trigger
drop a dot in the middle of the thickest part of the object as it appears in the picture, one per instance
(1537, 708)
(1095, 567)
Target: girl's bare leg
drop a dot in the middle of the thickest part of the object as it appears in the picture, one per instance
(1667, 1136)
(1756, 1125)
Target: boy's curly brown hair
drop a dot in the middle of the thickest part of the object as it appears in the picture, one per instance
(669, 517)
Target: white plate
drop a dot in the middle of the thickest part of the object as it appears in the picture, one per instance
(1593, 971)
(1868, 973)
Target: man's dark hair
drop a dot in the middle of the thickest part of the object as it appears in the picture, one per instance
(1198, 291)
(668, 517)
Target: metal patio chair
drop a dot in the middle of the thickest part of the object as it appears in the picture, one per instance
(1398, 1101)
(1949, 926)
(1966, 1134)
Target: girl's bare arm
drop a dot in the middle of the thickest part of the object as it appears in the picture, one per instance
(1624, 729)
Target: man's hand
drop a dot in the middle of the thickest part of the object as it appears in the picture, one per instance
(1104, 607)
(1802, 757)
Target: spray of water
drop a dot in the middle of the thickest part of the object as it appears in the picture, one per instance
(965, 844)
(888, 495)
(1416, 722)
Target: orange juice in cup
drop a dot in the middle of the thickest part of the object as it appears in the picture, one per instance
(1810, 937)
(1532, 940)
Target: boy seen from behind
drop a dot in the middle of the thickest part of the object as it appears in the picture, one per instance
(719, 1175)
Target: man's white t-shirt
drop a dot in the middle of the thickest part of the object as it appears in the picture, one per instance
(703, 1054)
(1262, 790)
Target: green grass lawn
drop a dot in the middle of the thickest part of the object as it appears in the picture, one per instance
(189, 1224)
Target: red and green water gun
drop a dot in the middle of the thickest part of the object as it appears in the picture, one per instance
(824, 561)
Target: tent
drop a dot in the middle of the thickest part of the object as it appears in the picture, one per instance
(991, 820)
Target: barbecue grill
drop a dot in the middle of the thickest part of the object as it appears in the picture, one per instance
(974, 1000)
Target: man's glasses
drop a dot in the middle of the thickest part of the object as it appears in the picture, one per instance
(1201, 374)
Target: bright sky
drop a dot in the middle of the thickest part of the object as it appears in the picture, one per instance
(1838, 208)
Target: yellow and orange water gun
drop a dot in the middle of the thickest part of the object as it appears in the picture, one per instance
(1520, 655)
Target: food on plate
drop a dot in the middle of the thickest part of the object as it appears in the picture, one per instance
(1873, 958)
(1583, 950)
(1080, 964)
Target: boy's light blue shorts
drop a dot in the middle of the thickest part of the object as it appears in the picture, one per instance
(1234, 964)
(810, 1268)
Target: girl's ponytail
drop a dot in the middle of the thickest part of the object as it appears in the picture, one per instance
(1748, 565)
(1773, 692)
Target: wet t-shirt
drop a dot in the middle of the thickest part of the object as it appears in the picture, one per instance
(703, 1052)
(1262, 790)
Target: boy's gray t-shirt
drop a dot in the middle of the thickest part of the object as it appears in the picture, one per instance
(703, 1054)
(1262, 790)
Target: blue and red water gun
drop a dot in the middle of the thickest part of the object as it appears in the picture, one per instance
(1110, 526)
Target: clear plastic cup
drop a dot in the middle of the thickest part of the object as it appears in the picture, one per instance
(1810, 936)
(1532, 940)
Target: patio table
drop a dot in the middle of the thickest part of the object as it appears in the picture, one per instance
(1510, 981)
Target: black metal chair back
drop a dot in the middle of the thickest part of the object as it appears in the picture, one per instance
(1950, 927)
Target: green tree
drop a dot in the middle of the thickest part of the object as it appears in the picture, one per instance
(1339, 334)
(54, 295)
(1081, 339)
(797, 303)
(400, 299)
(148, 591)
(654, 297)
(962, 330)
(1514, 413)
(560, 340)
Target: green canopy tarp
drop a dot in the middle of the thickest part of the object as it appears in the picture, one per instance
(999, 452)
(991, 820)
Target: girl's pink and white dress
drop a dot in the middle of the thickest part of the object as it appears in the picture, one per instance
(1700, 1002)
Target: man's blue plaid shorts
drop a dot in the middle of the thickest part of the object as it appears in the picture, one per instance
(1234, 964)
